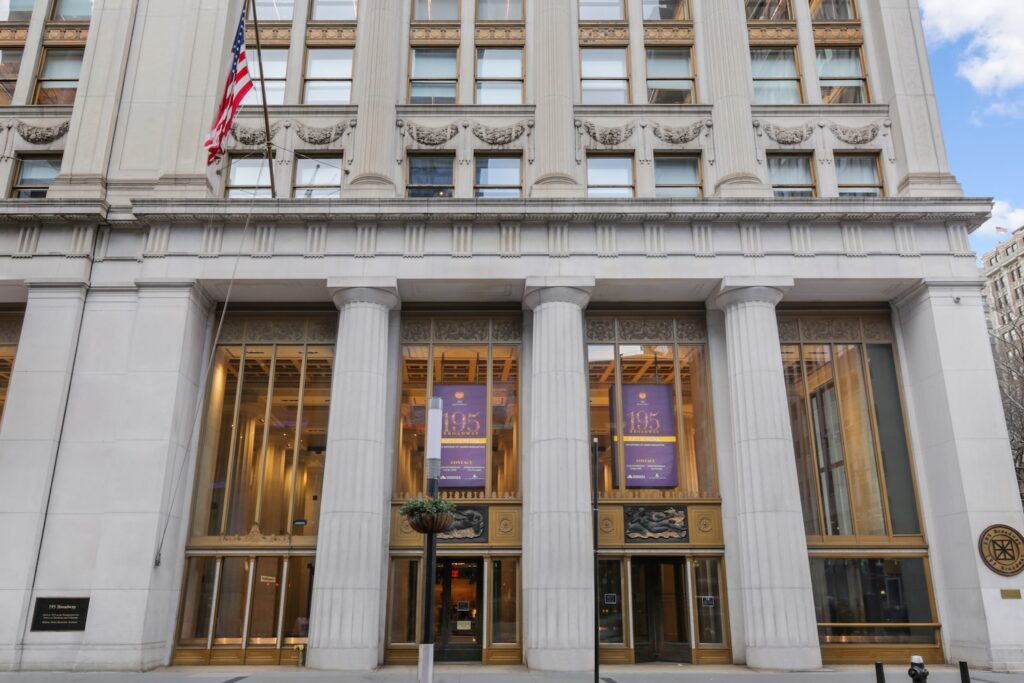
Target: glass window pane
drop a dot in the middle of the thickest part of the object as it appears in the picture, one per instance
(274, 10)
(38, 170)
(499, 92)
(316, 397)
(610, 620)
(773, 62)
(789, 169)
(504, 601)
(700, 474)
(796, 395)
(318, 171)
(275, 63)
(15, 10)
(605, 92)
(266, 600)
(430, 170)
(10, 64)
(500, 170)
(499, 10)
(460, 380)
(505, 413)
(244, 481)
(279, 448)
(604, 62)
(600, 10)
(665, 10)
(327, 92)
(275, 93)
(609, 170)
(499, 63)
(670, 92)
(68, 10)
(707, 582)
(610, 192)
(857, 169)
(217, 442)
(839, 62)
(412, 422)
(334, 10)
(7, 354)
(671, 192)
(676, 171)
(433, 92)
(668, 63)
(768, 10)
(234, 589)
(197, 607)
(601, 370)
(892, 437)
(843, 92)
(777, 92)
(332, 63)
(832, 10)
(298, 596)
(252, 171)
(62, 64)
(650, 428)
(436, 10)
(404, 583)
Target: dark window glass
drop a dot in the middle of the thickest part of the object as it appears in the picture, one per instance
(610, 574)
(197, 607)
(431, 176)
(35, 174)
(504, 601)
(298, 596)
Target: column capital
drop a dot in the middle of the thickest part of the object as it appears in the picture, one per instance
(736, 290)
(374, 290)
(544, 290)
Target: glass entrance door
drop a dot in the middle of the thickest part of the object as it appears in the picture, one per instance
(458, 610)
(661, 622)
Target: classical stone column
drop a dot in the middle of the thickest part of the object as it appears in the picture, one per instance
(725, 27)
(553, 58)
(345, 624)
(376, 87)
(558, 581)
(778, 606)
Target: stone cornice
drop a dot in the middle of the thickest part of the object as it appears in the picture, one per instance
(53, 210)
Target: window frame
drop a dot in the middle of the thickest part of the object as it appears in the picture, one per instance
(878, 171)
(631, 155)
(671, 154)
(799, 78)
(863, 78)
(477, 80)
(52, 14)
(339, 155)
(307, 79)
(692, 78)
(232, 157)
(257, 92)
(15, 187)
(40, 81)
(810, 156)
(483, 154)
(628, 79)
(623, 13)
(413, 80)
(448, 154)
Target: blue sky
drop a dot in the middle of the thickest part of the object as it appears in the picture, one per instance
(977, 58)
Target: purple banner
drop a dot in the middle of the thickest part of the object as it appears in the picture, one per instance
(463, 436)
(649, 436)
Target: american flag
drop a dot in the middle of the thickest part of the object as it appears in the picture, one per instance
(237, 87)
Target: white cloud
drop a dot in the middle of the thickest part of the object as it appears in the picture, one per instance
(994, 58)
(1004, 215)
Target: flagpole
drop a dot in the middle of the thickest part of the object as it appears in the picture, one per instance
(263, 98)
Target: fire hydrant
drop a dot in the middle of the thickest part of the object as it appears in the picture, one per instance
(917, 671)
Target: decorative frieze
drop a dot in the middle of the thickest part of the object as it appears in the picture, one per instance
(817, 328)
(366, 240)
(609, 136)
(678, 135)
(802, 239)
(772, 34)
(843, 33)
(750, 239)
(252, 137)
(414, 240)
(654, 240)
(263, 240)
(158, 239)
(499, 135)
(434, 33)
(333, 35)
(81, 241)
(213, 239)
(429, 135)
(14, 34)
(271, 35)
(558, 240)
(462, 240)
(703, 240)
(42, 135)
(906, 240)
(509, 240)
(28, 241)
(66, 35)
(316, 240)
(604, 34)
(500, 34)
(671, 34)
(959, 239)
(786, 136)
(320, 136)
(856, 136)
(607, 240)
(853, 239)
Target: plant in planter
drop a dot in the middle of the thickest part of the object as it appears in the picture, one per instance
(429, 515)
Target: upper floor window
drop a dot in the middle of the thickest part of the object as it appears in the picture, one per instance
(677, 176)
(334, 10)
(72, 10)
(273, 10)
(769, 10)
(499, 10)
(605, 75)
(58, 76)
(858, 175)
(833, 10)
(434, 75)
(328, 76)
(317, 177)
(791, 175)
(842, 75)
(248, 178)
(10, 64)
(34, 175)
(601, 10)
(669, 75)
(436, 10)
(7, 355)
(776, 76)
(609, 175)
(16, 10)
(666, 10)
(431, 176)
(499, 73)
(273, 75)
(498, 176)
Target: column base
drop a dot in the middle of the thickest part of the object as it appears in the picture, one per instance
(343, 658)
(84, 657)
(544, 659)
(784, 658)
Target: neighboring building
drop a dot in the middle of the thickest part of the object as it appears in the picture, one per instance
(718, 237)
(1004, 277)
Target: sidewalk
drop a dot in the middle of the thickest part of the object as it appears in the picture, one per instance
(478, 674)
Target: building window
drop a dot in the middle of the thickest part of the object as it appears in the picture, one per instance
(58, 76)
(16, 10)
(605, 75)
(273, 10)
(609, 176)
(776, 76)
(317, 177)
(275, 70)
(7, 353)
(769, 10)
(248, 178)
(431, 175)
(436, 10)
(334, 10)
(499, 10)
(34, 175)
(434, 75)
(499, 73)
(858, 175)
(833, 10)
(650, 411)
(498, 176)
(666, 10)
(677, 176)
(791, 175)
(601, 10)
(328, 76)
(72, 10)
(669, 75)
(842, 75)
(10, 64)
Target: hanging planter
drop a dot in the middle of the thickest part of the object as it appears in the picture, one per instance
(429, 515)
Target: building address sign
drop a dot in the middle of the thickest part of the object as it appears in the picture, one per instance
(60, 614)
(1002, 549)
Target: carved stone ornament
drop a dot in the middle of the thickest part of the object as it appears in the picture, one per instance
(657, 524)
(253, 136)
(425, 135)
(856, 136)
(499, 135)
(470, 526)
(320, 136)
(257, 537)
(789, 136)
(609, 136)
(678, 135)
(42, 135)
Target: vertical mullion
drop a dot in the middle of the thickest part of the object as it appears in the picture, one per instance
(677, 388)
(218, 570)
(233, 446)
(691, 584)
(876, 440)
(426, 406)
(262, 472)
(489, 422)
(809, 416)
(618, 448)
(842, 439)
(248, 601)
(297, 437)
(281, 601)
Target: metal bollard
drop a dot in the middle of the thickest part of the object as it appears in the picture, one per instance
(965, 675)
(918, 671)
(879, 673)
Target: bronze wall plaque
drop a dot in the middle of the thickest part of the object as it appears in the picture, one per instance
(1002, 549)
(60, 614)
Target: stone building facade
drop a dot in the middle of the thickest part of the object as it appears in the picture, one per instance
(711, 249)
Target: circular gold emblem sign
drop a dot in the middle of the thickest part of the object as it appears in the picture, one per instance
(1002, 548)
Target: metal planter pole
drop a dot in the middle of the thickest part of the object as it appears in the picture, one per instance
(433, 453)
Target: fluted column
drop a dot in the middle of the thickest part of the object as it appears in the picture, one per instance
(725, 25)
(558, 581)
(345, 623)
(778, 606)
(554, 57)
(376, 89)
